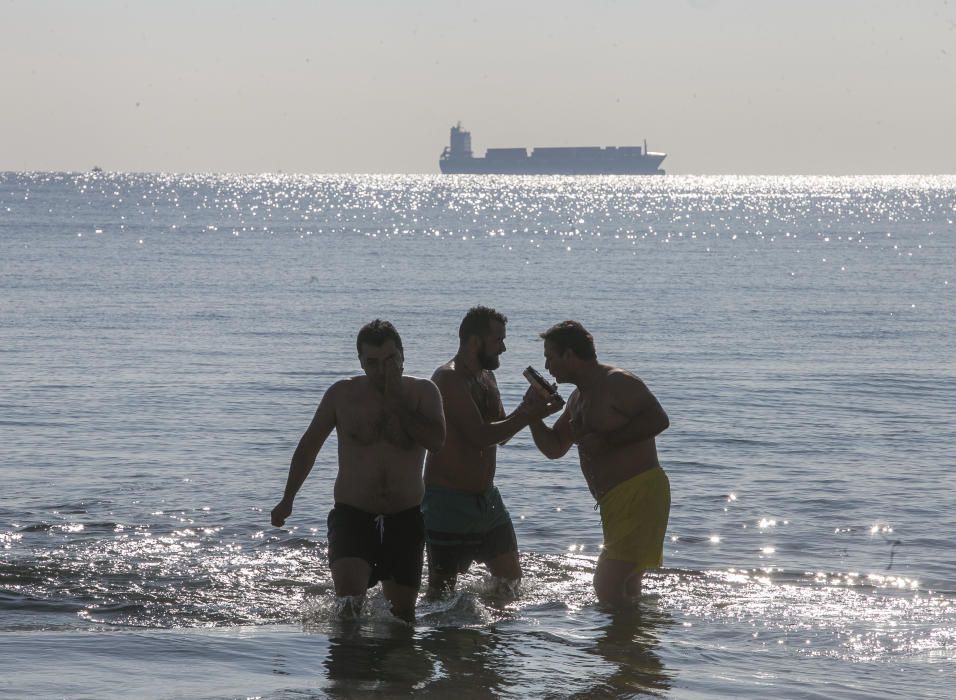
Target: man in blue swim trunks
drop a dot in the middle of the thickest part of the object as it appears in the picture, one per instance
(465, 518)
(613, 418)
(384, 422)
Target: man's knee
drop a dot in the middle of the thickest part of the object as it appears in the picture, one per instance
(615, 582)
(401, 599)
(350, 576)
(632, 587)
(506, 566)
(441, 581)
(609, 592)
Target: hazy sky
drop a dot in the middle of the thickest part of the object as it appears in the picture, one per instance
(722, 86)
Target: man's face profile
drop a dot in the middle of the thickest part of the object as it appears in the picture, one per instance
(553, 361)
(491, 345)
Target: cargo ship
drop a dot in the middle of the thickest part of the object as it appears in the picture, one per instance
(457, 159)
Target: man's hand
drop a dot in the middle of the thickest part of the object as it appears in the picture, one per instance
(394, 389)
(281, 512)
(536, 406)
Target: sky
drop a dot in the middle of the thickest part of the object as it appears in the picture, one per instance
(363, 86)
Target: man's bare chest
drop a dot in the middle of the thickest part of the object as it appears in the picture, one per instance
(484, 394)
(594, 413)
(366, 422)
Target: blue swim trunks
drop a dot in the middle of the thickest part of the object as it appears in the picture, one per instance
(463, 527)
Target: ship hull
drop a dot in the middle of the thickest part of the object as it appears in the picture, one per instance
(644, 165)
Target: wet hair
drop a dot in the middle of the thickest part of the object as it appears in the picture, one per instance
(571, 335)
(377, 333)
(478, 322)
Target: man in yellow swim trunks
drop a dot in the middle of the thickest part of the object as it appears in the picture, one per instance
(613, 418)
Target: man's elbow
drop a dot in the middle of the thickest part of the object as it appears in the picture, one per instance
(436, 441)
(553, 451)
(484, 438)
(664, 423)
(305, 453)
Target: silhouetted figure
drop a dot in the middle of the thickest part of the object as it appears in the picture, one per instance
(613, 418)
(384, 423)
(465, 518)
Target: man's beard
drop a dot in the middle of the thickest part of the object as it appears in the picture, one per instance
(487, 360)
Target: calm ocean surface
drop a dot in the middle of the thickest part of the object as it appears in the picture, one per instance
(164, 340)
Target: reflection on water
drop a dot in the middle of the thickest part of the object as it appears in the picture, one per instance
(455, 651)
(357, 662)
(629, 641)
(469, 661)
(476, 662)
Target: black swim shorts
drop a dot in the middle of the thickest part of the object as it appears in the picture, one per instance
(392, 543)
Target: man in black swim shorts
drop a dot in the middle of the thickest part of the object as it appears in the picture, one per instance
(384, 422)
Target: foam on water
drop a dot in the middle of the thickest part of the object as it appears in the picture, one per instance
(211, 576)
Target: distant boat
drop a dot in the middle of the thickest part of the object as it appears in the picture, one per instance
(457, 158)
(96, 169)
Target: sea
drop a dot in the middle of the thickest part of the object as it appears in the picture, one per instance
(165, 339)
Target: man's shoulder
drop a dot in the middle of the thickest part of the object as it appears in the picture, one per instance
(452, 383)
(414, 378)
(354, 381)
(619, 375)
(446, 373)
(621, 383)
(417, 383)
(348, 385)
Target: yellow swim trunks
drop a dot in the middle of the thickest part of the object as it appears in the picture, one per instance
(634, 519)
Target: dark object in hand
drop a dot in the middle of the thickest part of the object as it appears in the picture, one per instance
(543, 386)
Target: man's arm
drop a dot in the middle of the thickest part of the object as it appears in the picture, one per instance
(425, 423)
(553, 442)
(501, 409)
(461, 411)
(303, 459)
(646, 418)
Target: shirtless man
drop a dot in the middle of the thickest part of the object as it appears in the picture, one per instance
(465, 518)
(384, 423)
(613, 418)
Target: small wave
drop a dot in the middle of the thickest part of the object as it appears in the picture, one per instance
(14, 602)
(32, 423)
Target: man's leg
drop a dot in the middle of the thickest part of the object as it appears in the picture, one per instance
(506, 566)
(350, 530)
(350, 577)
(500, 550)
(442, 572)
(401, 598)
(632, 588)
(403, 551)
(616, 582)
